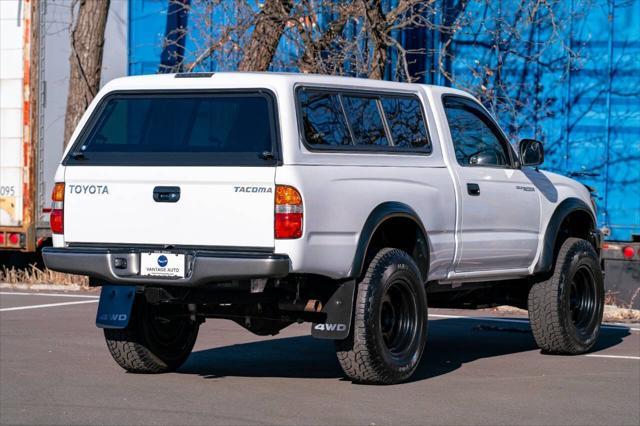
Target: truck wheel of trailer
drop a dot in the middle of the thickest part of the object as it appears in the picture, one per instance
(389, 331)
(566, 310)
(158, 338)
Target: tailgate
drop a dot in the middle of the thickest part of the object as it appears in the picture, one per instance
(217, 207)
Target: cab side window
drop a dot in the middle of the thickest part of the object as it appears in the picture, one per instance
(476, 140)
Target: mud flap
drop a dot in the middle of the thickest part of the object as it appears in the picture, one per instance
(339, 309)
(114, 309)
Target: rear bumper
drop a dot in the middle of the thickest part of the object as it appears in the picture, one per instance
(202, 266)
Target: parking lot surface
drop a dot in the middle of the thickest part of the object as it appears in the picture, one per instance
(55, 369)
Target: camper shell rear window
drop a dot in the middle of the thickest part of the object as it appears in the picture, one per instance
(177, 128)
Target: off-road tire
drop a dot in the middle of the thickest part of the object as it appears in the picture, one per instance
(138, 349)
(364, 355)
(558, 326)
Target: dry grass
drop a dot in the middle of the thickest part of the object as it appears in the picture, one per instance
(621, 310)
(511, 310)
(613, 298)
(617, 314)
(612, 313)
(34, 275)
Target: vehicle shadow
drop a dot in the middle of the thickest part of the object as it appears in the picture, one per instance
(451, 343)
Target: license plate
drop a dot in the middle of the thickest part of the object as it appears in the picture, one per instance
(162, 264)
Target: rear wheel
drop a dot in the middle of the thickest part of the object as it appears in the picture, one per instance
(390, 322)
(157, 339)
(566, 310)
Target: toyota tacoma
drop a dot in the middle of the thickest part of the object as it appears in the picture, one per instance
(352, 204)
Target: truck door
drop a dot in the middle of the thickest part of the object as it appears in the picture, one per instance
(500, 206)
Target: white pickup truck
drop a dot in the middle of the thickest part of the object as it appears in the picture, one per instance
(352, 204)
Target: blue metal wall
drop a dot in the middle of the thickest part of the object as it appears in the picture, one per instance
(588, 116)
(603, 136)
(147, 21)
(586, 110)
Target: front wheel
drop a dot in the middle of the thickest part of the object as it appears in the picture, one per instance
(157, 339)
(389, 332)
(566, 310)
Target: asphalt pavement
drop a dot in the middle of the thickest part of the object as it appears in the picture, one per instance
(55, 369)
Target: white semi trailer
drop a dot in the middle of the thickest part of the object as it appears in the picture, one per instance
(34, 72)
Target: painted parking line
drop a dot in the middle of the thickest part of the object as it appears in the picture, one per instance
(613, 356)
(48, 305)
(523, 321)
(621, 325)
(16, 293)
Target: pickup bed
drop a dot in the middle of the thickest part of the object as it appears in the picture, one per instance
(352, 204)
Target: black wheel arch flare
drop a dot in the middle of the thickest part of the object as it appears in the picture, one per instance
(380, 214)
(562, 211)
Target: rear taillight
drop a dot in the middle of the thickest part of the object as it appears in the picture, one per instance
(288, 213)
(13, 240)
(56, 220)
(628, 252)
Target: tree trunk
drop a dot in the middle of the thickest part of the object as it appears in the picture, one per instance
(376, 19)
(34, 108)
(87, 41)
(266, 35)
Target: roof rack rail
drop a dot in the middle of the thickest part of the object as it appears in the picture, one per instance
(194, 74)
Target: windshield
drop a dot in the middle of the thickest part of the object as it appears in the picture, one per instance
(179, 129)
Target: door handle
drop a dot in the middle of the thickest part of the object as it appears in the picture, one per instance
(166, 194)
(473, 189)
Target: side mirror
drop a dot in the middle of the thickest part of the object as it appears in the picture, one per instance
(531, 152)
